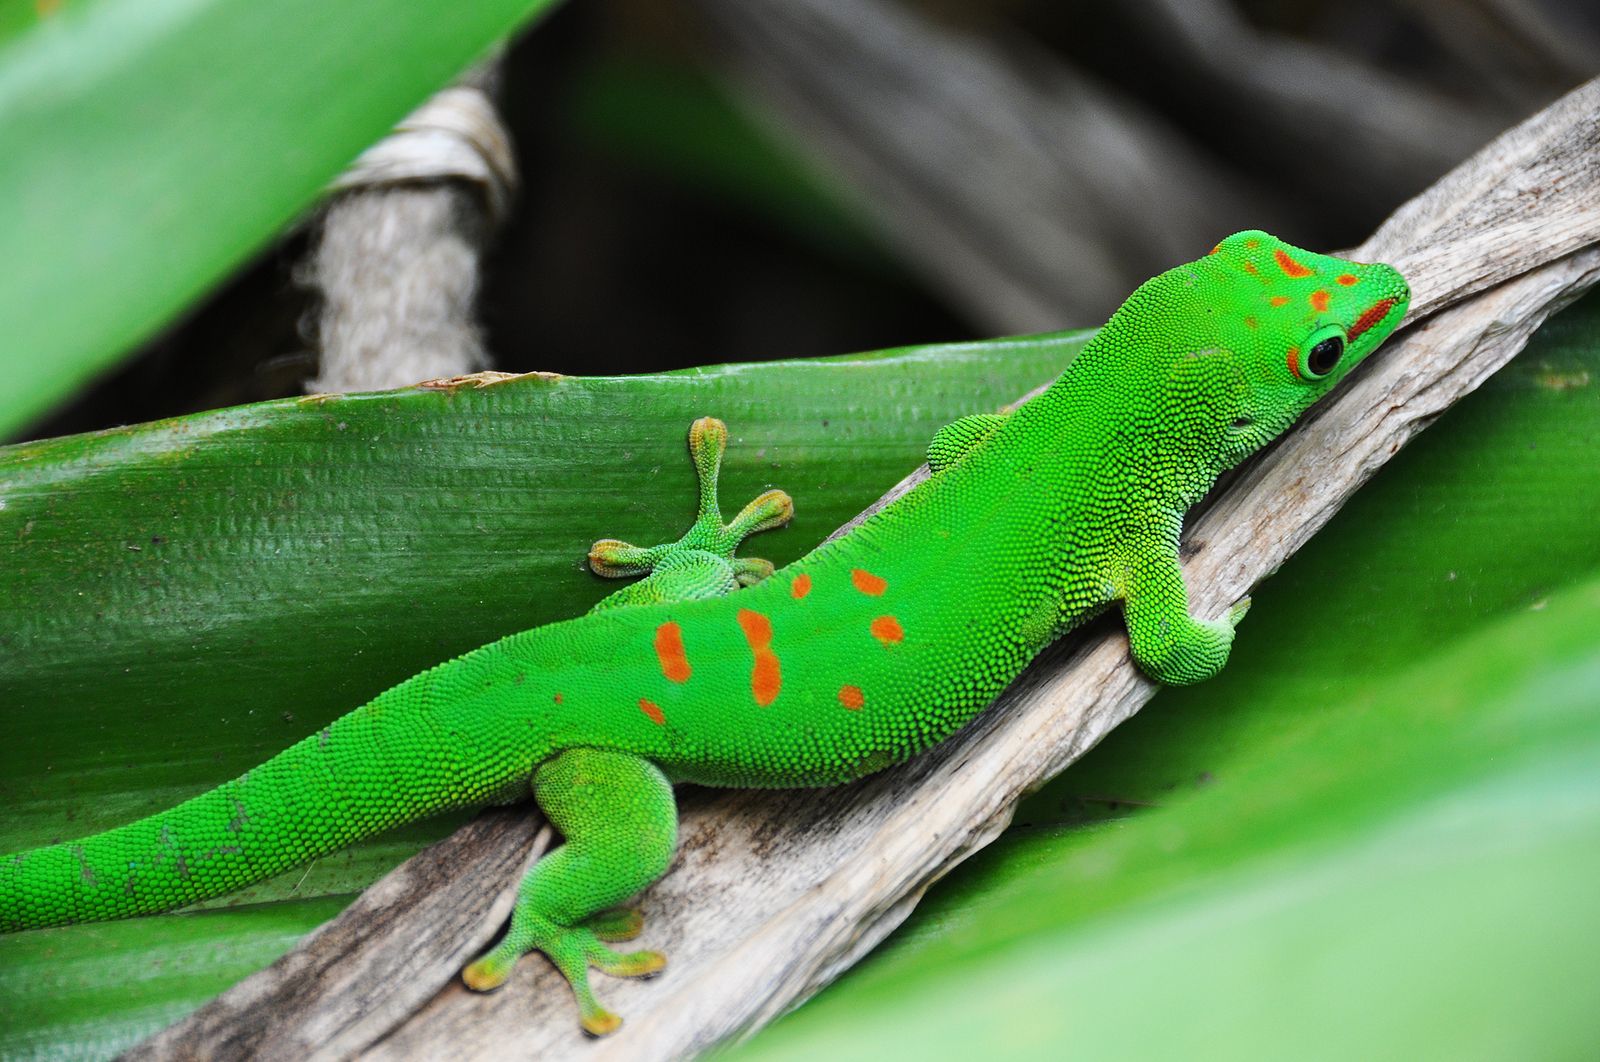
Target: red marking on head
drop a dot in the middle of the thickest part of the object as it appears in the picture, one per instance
(765, 677)
(801, 586)
(1290, 267)
(1250, 267)
(669, 651)
(1251, 322)
(852, 697)
(1279, 300)
(1347, 279)
(1252, 244)
(868, 583)
(652, 711)
(1294, 361)
(887, 630)
(1319, 301)
(1371, 316)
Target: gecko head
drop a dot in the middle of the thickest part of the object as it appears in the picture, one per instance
(1295, 323)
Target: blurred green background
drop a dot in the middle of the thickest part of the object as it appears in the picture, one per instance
(1374, 835)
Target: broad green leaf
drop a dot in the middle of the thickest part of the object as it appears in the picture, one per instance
(149, 146)
(180, 600)
(1376, 834)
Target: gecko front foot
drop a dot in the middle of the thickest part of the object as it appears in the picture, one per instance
(702, 562)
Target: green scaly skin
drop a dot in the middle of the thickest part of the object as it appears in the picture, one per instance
(863, 653)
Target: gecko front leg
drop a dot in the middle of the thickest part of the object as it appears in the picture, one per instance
(702, 562)
(1167, 642)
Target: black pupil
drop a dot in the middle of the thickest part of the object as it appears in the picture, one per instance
(1325, 355)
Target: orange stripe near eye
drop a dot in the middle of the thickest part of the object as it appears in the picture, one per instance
(800, 587)
(652, 711)
(1289, 266)
(1347, 279)
(669, 651)
(852, 697)
(765, 678)
(1319, 301)
(887, 630)
(1372, 316)
(1294, 361)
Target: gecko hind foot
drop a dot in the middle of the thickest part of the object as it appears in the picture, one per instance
(572, 951)
(702, 562)
(616, 925)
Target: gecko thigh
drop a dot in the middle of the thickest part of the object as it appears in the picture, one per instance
(620, 823)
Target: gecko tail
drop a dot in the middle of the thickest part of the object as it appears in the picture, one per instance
(315, 797)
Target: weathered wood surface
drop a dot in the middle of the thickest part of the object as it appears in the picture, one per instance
(773, 893)
(395, 262)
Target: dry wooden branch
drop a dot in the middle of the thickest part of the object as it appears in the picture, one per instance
(773, 893)
(396, 259)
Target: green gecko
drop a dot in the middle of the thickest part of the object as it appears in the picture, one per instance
(724, 672)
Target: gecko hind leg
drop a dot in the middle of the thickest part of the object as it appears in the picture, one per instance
(702, 562)
(620, 824)
(616, 925)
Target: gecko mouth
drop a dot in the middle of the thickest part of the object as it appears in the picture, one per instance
(1371, 316)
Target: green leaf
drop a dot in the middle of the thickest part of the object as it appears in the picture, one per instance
(1376, 834)
(153, 145)
(181, 600)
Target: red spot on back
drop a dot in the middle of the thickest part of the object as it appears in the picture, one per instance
(1250, 267)
(887, 630)
(868, 583)
(669, 651)
(765, 678)
(652, 711)
(1215, 249)
(1251, 322)
(852, 697)
(801, 586)
(1371, 316)
(1290, 267)
(1279, 300)
(558, 698)
(1252, 244)
(1347, 279)
(1319, 301)
(1294, 361)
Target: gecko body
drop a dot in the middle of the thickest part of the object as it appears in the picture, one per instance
(718, 670)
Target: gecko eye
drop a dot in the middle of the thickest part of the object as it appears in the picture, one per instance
(1322, 353)
(1324, 356)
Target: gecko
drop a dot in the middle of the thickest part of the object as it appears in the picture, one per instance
(720, 670)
